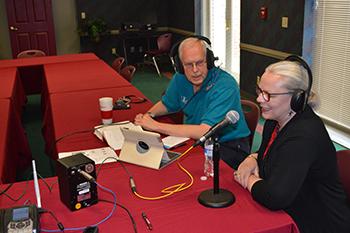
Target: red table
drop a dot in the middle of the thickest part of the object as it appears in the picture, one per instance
(178, 213)
(78, 76)
(31, 69)
(34, 61)
(77, 111)
(14, 148)
(11, 88)
(81, 76)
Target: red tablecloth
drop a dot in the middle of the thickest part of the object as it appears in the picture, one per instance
(81, 75)
(31, 69)
(11, 88)
(77, 111)
(78, 76)
(34, 61)
(180, 213)
(14, 148)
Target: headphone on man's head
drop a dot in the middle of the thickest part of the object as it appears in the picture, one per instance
(174, 54)
(300, 97)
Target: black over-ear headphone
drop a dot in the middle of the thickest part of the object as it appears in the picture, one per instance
(300, 97)
(174, 54)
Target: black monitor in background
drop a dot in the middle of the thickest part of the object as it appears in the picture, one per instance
(134, 26)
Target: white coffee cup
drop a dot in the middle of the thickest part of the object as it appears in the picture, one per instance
(106, 107)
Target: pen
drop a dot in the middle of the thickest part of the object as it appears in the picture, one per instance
(147, 221)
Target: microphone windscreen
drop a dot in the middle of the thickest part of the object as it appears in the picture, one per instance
(232, 116)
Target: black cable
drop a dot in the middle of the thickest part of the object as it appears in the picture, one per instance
(59, 224)
(119, 161)
(89, 130)
(72, 133)
(20, 196)
(5, 190)
(84, 131)
(49, 187)
(128, 212)
(125, 169)
(131, 178)
(103, 161)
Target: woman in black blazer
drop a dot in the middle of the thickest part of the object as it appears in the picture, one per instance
(295, 169)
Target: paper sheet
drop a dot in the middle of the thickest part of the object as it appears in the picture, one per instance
(98, 155)
(173, 141)
(112, 134)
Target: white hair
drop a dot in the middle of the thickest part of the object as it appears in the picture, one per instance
(191, 40)
(295, 78)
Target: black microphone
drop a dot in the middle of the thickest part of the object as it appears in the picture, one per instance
(231, 118)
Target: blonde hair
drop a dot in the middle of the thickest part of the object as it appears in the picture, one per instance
(295, 77)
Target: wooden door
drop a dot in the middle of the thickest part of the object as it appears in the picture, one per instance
(31, 26)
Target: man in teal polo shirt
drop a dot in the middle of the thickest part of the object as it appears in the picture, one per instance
(204, 93)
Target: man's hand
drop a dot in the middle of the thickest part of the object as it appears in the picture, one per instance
(180, 130)
(146, 121)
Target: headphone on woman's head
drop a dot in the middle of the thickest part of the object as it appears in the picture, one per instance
(174, 54)
(300, 97)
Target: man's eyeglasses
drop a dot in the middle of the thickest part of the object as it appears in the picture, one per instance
(266, 95)
(198, 64)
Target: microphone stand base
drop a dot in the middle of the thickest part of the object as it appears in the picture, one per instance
(223, 198)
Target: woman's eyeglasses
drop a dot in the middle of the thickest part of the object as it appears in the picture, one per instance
(266, 95)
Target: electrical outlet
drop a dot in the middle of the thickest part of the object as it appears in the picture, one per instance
(284, 22)
(114, 51)
(83, 15)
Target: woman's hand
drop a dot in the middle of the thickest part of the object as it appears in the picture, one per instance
(248, 167)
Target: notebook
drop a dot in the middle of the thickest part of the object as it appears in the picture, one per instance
(146, 149)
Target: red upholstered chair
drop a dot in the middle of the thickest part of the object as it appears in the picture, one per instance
(164, 46)
(128, 72)
(252, 114)
(118, 63)
(343, 158)
(31, 53)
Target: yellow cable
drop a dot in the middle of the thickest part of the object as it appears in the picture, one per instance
(174, 188)
(185, 152)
